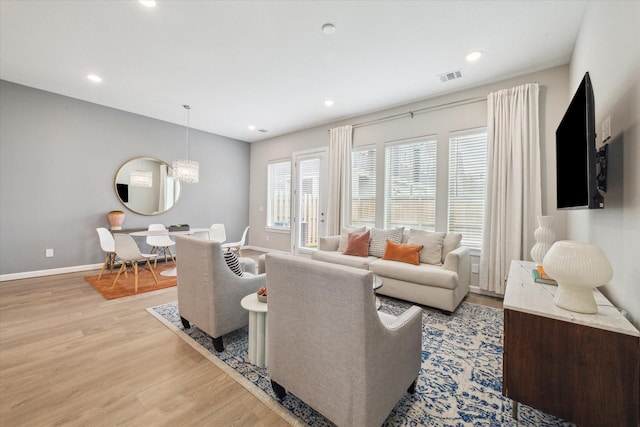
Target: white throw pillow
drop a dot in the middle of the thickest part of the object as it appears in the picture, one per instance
(344, 236)
(378, 242)
(451, 242)
(432, 241)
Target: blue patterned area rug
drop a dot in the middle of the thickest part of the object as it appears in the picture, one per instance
(460, 382)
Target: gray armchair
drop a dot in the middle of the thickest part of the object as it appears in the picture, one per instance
(329, 346)
(209, 293)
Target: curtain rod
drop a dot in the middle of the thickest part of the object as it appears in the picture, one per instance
(423, 110)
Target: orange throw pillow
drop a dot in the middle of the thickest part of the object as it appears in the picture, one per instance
(403, 252)
(358, 244)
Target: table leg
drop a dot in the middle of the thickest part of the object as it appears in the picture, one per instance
(260, 340)
(253, 318)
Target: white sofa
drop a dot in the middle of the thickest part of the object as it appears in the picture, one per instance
(440, 286)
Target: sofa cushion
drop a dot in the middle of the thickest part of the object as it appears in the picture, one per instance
(402, 252)
(358, 244)
(379, 238)
(339, 258)
(432, 242)
(451, 242)
(423, 274)
(344, 236)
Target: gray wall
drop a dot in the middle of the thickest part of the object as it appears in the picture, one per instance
(58, 160)
(553, 102)
(608, 48)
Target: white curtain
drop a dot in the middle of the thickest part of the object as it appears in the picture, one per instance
(514, 194)
(339, 178)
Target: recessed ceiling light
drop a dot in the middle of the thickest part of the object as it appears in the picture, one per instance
(94, 78)
(328, 28)
(474, 56)
(328, 102)
(148, 3)
(252, 127)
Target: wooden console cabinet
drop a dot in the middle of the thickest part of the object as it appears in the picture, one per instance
(583, 368)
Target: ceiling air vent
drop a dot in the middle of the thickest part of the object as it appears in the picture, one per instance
(451, 75)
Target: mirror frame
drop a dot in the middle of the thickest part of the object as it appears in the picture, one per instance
(136, 209)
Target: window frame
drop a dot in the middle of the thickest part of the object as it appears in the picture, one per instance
(270, 222)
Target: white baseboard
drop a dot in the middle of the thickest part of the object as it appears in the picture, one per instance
(51, 272)
(477, 290)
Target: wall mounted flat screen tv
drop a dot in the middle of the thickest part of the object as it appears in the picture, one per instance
(577, 160)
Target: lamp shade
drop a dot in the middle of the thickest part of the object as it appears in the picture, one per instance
(578, 268)
(187, 171)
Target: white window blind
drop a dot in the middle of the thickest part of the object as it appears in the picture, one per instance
(279, 195)
(363, 187)
(467, 181)
(410, 184)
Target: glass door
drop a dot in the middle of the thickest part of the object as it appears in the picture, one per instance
(309, 196)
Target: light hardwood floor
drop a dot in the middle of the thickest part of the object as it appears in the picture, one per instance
(70, 357)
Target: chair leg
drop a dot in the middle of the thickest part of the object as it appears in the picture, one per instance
(155, 250)
(173, 259)
(218, 344)
(135, 275)
(106, 261)
(185, 323)
(278, 390)
(112, 261)
(123, 266)
(153, 273)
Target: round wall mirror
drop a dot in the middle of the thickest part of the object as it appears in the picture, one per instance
(146, 186)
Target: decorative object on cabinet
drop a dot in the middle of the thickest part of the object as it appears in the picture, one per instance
(162, 195)
(185, 170)
(544, 236)
(578, 267)
(116, 218)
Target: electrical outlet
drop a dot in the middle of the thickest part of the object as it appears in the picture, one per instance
(474, 268)
(606, 129)
(48, 253)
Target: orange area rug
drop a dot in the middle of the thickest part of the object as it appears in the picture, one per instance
(125, 286)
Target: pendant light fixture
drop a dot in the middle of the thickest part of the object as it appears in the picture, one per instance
(187, 171)
(140, 178)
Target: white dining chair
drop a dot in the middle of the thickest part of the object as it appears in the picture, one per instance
(217, 233)
(161, 242)
(237, 246)
(108, 246)
(127, 250)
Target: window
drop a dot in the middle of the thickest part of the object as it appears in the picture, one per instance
(363, 187)
(279, 195)
(410, 184)
(467, 181)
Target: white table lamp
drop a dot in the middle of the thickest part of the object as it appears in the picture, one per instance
(578, 268)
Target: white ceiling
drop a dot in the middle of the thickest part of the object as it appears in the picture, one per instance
(268, 63)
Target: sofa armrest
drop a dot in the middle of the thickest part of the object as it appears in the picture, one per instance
(458, 261)
(329, 243)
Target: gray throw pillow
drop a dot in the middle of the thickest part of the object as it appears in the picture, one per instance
(378, 242)
(234, 264)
